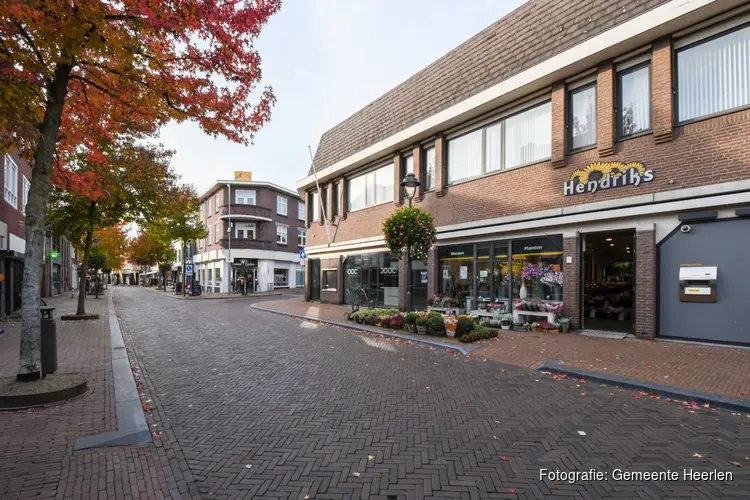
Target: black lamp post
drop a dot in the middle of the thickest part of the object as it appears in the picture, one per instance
(410, 185)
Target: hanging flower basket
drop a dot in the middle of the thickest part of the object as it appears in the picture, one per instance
(410, 228)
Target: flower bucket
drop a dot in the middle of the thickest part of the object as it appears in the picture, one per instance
(505, 327)
(422, 330)
(412, 328)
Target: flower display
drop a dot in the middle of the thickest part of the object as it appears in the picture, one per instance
(531, 272)
(552, 278)
(412, 229)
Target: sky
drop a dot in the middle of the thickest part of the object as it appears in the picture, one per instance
(326, 59)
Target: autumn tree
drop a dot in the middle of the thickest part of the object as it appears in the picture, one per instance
(133, 180)
(112, 241)
(74, 72)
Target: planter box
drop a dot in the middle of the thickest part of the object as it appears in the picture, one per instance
(543, 330)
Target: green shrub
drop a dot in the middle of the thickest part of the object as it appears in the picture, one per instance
(411, 318)
(464, 325)
(434, 314)
(469, 337)
(480, 332)
(435, 324)
(422, 320)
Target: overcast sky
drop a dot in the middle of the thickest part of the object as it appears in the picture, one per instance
(326, 59)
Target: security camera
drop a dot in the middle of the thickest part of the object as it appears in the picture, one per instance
(685, 228)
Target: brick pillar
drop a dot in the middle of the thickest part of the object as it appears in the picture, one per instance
(440, 174)
(342, 198)
(572, 280)
(605, 109)
(645, 284)
(432, 272)
(402, 288)
(308, 267)
(662, 103)
(397, 194)
(559, 130)
(418, 172)
(340, 281)
(321, 202)
(329, 201)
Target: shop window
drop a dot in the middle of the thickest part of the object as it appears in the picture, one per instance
(582, 121)
(456, 268)
(712, 74)
(300, 274)
(280, 278)
(371, 278)
(537, 268)
(634, 100)
(330, 279)
(218, 276)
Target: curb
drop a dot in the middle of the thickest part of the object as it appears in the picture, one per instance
(716, 401)
(362, 328)
(131, 422)
(223, 297)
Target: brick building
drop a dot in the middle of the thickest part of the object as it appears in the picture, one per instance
(596, 155)
(263, 245)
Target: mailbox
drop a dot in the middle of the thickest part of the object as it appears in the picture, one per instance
(698, 284)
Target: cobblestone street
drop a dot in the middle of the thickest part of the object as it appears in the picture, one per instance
(255, 405)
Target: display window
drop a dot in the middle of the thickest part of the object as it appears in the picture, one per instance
(538, 268)
(371, 278)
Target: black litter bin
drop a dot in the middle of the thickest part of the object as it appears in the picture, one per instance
(49, 340)
(178, 287)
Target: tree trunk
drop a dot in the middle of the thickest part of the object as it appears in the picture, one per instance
(29, 359)
(82, 280)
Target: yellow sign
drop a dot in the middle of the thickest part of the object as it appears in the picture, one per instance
(602, 175)
(243, 176)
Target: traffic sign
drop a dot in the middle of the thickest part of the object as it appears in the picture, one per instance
(188, 269)
(302, 254)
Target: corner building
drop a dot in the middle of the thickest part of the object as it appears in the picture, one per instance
(589, 153)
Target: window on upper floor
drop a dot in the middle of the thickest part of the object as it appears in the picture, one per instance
(582, 116)
(518, 139)
(218, 201)
(301, 237)
(203, 211)
(26, 187)
(712, 73)
(429, 169)
(407, 167)
(335, 201)
(633, 97)
(324, 202)
(281, 205)
(11, 181)
(244, 230)
(281, 234)
(314, 206)
(217, 232)
(300, 210)
(371, 188)
(244, 196)
(209, 211)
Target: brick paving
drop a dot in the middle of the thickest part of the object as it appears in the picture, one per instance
(715, 370)
(257, 405)
(37, 444)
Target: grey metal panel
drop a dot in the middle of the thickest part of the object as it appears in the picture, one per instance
(725, 244)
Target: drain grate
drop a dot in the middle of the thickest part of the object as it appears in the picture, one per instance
(118, 348)
(604, 334)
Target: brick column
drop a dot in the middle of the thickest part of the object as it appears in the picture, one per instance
(572, 280)
(397, 195)
(432, 272)
(662, 96)
(440, 174)
(418, 172)
(340, 281)
(645, 284)
(342, 198)
(321, 218)
(559, 130)
(329, 201)
(308, 267)
(605, 109)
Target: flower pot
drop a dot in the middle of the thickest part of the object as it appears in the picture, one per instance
(564, 327)
(505, 327)
(422, 330)
(451, 333)
(412, 328)
(523, 293)
(557, 292)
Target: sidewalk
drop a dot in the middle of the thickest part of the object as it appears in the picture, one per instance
(211, 295)
(714, 370)
(38, 458)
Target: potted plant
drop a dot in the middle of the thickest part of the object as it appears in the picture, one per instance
(385, 322)
(421, 324)
(464, 324)
(411, 321)
(435, 324)
(564, 324)
(397, 322)
(506, 322)
(546, 327)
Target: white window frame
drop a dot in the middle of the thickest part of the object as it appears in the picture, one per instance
(11, 188)
(244, 196)
(26, 187)
(622, 69)
(282, 205)
(218, 200)
(300, 210)
(574, 88)
(365, 174)
(217, 232)
(245, 228)
(282, 234)
(315, 206)
(301, 237)
(203, 212)
(208, 212)
(274, 277)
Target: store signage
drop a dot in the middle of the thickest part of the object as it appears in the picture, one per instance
(701, 290)
(352, 272)
(552, 243)
(602, 175)
(54, 254)
(238, 261)
(457, 251)
(389, 270)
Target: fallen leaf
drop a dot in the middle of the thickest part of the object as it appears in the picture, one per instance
(735, 463)
(581, 433)
(505, 459)
(356, 474)
(307, 497)
(156, 434)
(697, 455)
(512, 490)
(249, 466)
(370, 457)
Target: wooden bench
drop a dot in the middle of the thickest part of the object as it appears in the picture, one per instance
(551, 317)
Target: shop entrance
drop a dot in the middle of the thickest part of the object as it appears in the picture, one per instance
(608, 275)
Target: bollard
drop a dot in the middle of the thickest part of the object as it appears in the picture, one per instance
(49, 341)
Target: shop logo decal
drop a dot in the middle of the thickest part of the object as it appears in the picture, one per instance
(604, 175)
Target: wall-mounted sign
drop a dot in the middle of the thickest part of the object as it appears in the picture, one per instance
(390, 295)
(457, 251)
(464, 272)
(602, 175)
(239, 261)
(424, 276)
(54, 254)
(543, 244)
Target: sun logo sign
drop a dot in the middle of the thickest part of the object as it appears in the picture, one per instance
(605, 175)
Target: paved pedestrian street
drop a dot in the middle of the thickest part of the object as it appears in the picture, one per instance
(250, 404)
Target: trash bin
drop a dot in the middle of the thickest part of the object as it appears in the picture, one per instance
(49, 340)
(178, 287)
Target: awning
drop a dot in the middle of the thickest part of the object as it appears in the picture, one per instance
(246, 217)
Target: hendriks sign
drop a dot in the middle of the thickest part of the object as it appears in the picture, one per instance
(605, 175)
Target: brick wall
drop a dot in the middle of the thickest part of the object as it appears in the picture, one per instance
(645, 284)
(571, 278)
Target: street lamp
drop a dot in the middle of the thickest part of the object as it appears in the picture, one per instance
(410, 185)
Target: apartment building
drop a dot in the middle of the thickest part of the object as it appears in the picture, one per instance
(255, 233)
(594, 154)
